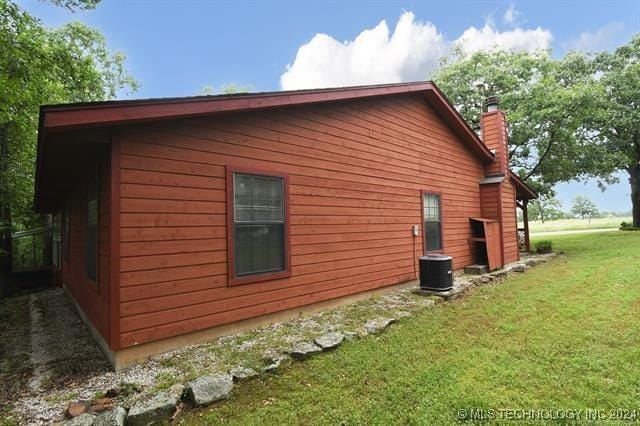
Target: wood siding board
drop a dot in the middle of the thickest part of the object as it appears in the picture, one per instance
(355, 175)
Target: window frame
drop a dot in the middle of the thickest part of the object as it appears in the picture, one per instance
(96, 248)
(232, 279)
(424, 235)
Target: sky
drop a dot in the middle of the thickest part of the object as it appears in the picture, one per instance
(175, 48)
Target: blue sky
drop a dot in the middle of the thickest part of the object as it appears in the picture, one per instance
(176, 47)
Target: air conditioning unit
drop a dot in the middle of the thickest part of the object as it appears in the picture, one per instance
(436, 273)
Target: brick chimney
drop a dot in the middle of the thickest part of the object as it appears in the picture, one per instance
(498, 197)
(494, 136)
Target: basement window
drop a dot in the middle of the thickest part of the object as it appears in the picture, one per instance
(259, 240)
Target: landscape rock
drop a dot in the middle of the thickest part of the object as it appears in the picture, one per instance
(378, 325)
(100, 405)
(154, 410)
(75, 409)
(485, 279)
(208, 389)
(304, 350)
(499, 274)
(273, 364)
(242, 373)
(114, 417)
(518, 268)
(85, 419)
(329, 340)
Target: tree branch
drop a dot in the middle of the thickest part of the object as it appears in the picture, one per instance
(542, 157)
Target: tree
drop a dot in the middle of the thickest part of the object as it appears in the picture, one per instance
(225, 89)
(584, 207)
(616, 121)
(545, 207)
(39, 66)
(546, 102)
(570, 119)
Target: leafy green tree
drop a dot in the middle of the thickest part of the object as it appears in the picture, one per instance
(616, 120)
(574, 118)
(584, 208)
(545, 207)
(225, 89)
(546, 102)
(39, 66)
(74, 5)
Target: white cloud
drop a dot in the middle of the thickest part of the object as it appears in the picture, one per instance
(602, 39)
(411, 52)
(374, 56)
(487, 38)
(512, 16)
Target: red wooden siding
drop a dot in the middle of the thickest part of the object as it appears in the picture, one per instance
(509, 222)
(92, 297)
(356, 172)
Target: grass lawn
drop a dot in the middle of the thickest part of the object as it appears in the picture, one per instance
(576, 224)
(565, 335)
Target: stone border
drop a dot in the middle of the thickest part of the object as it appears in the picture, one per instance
(159, 408)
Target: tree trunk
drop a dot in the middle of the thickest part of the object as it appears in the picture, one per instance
(634, 180)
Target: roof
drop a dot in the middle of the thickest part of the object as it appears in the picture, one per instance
(492, 179)
(56, 120)
(523, 191)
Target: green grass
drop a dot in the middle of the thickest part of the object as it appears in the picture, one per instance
(565, 335)
(576, 224)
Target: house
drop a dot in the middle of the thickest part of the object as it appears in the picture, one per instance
(187, 218)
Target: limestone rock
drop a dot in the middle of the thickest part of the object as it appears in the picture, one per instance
(518, 268)
(85, 419)
(113, 417)
(154, 410)
(329, 340)
(273, 363)
(208, 389)
(304, 350)
(242, 373)
(378, 325)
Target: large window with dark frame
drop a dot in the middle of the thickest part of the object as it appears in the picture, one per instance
(91, 239)
(432, 222)
(259, 224)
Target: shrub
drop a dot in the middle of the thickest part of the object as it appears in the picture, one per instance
(544, 246)
(627, 226)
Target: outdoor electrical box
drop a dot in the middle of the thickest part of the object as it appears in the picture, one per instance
(415, 230)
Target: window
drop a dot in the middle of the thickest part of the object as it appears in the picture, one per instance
(65, 232)
(259, 240)
(91, 239)
(432, 222)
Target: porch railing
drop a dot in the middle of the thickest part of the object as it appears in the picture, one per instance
(32, 249)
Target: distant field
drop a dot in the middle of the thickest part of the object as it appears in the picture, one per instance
(576, 224)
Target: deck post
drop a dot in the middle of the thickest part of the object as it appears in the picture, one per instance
(525, 218)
